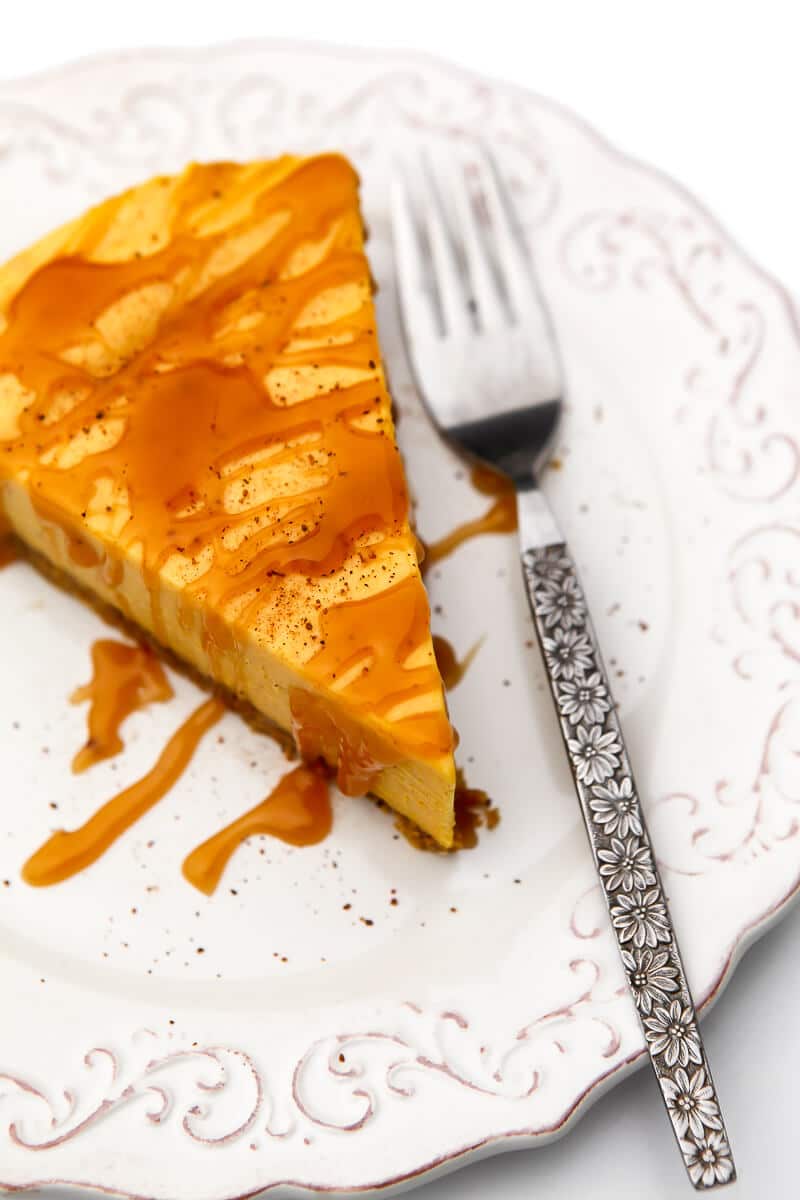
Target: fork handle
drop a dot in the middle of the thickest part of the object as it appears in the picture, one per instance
(621, 845)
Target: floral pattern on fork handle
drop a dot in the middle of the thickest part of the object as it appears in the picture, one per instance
(625, 862)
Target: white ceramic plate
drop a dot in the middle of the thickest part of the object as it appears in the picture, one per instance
(486, 1008)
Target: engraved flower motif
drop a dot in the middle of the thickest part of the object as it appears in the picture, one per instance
(548, 564)
(595, 754)
(708, 1159)
(568, 653)
(691, 1102)
(614, 807)
(640, 918)
(652, 976)
(584, 701)
(559, 602)
(626, 864)
(673, 1032)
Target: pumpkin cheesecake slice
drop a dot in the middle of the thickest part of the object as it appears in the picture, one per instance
(195, 428)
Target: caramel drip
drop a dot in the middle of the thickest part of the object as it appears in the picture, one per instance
(124, 679)
(297, 810)
(321, 732)
(500, 517)
(451, 669)
(67, 852)
(367, 647)
(473, 812)
(9, 551)
(82, 553)
(113, 572)
(176, 439)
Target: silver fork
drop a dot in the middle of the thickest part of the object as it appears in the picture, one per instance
(486, 363)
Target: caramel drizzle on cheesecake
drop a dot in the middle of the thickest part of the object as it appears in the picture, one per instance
(217, 448)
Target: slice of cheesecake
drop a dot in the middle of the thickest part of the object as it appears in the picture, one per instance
(195, 427)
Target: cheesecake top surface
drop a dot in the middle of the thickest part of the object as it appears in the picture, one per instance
(190, 373)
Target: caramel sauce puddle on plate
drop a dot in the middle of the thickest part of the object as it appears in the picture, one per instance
(124, 679)
(67, 852)
(297, 811)
(500, 517)
(451, 668)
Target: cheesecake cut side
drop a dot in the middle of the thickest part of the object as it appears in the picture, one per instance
(195, 427)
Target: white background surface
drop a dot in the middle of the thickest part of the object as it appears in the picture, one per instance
(710, 92)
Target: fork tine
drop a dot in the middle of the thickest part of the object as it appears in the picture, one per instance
(490, 301)
(448, 271)
(512, 253)
(411, 267)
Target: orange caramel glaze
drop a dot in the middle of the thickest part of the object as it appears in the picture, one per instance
(360, 755)
(125, 678)
(67, 852)
(297, 810)
(179, 422)
(500, 517)
(364, 643)
(451, 668)
(82, 553)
